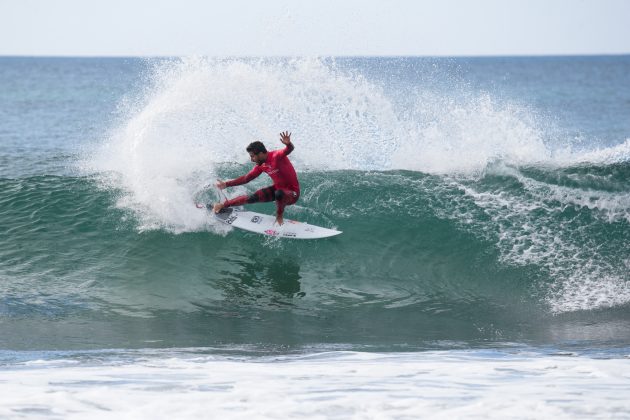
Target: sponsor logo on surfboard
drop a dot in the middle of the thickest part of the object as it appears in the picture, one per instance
(256, 219)
(289, 234)
(272, 232)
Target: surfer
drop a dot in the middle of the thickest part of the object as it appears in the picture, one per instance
(285, 189)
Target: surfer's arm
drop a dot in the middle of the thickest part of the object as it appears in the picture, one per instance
(285, 138)
(245, 178)
(288, 149)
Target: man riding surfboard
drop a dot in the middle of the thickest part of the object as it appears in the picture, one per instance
(285, 190)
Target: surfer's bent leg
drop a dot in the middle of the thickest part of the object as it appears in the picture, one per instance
(260, 196)
(284, 198)
(263, 195)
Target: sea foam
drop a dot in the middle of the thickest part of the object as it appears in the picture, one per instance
(442, 384)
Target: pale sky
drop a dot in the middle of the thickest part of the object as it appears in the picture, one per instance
(313, 27)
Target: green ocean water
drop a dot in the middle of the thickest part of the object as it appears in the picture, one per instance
(467, 223)
(419, 262)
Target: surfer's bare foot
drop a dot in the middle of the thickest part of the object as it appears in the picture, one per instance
(279, 220)
(217, 207)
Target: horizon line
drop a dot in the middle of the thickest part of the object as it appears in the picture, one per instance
(163, 56)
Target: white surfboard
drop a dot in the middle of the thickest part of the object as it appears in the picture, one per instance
(265, 225)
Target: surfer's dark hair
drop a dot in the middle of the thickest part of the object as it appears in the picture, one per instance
(256, 147)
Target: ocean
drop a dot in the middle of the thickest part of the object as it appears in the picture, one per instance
(483, 270)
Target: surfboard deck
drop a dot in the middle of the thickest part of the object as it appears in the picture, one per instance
(264, 224)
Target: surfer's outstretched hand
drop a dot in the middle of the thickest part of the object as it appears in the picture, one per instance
(220, 184)
(285, 137)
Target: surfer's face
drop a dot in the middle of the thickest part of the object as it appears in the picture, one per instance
(258, 158)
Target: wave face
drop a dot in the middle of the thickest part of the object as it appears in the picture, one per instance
(468, 215)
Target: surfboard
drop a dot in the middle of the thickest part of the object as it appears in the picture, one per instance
(265, 224)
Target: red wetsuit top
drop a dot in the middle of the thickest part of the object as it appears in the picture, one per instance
(278, 167)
